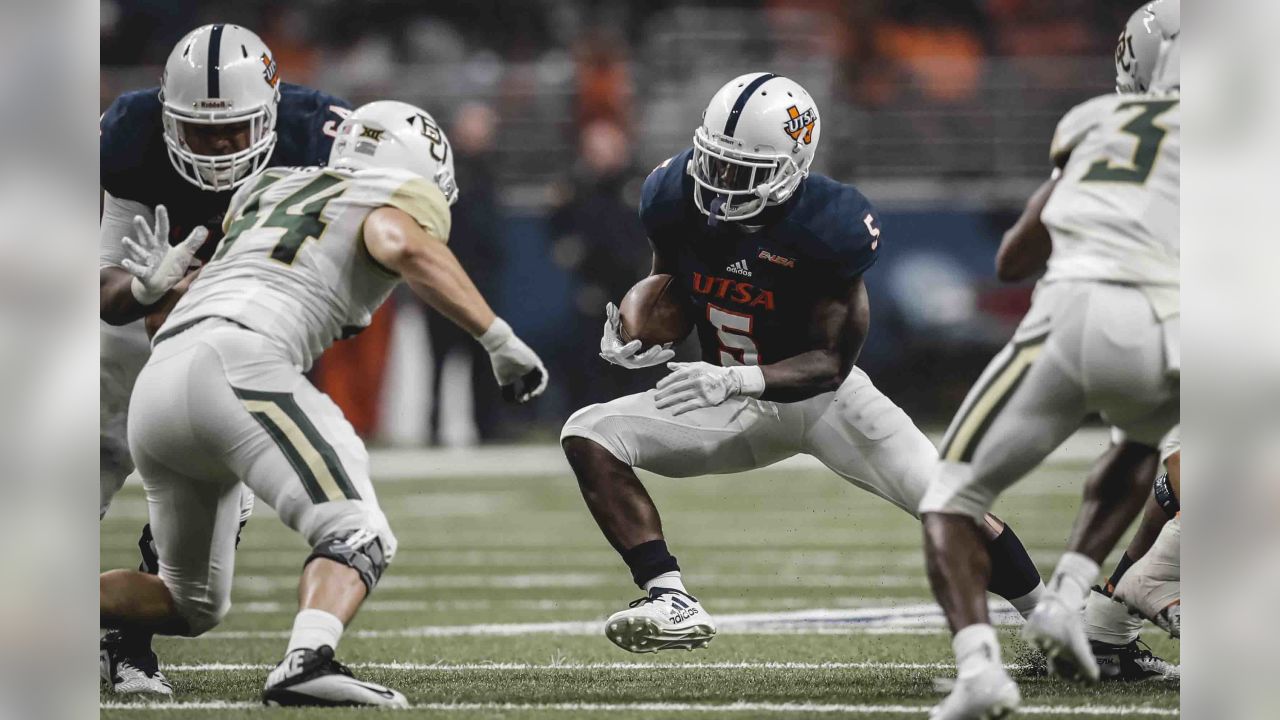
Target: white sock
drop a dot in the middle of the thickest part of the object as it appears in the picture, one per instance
(1072, 578)
(667, 580)
(977, 649)
(313, 628)
(1027, 603)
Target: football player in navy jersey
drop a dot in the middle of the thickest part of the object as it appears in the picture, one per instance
(771, 258)
(171, 158)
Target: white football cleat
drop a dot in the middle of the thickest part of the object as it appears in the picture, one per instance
(313, 678)
(1057, 630)
(130, 674)
(666, 619)
(987, 695)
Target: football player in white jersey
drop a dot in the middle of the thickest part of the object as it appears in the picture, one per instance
(170, 159)
(309, 254)
(1101, 336)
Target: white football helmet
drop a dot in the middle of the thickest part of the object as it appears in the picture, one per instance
(755, 146)
(389, 133)
(220, 78)
(1138, 50)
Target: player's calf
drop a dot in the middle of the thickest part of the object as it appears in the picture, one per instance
(342, 570)
(1014, 576)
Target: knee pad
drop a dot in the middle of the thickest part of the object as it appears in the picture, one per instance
(590, 423)
(362, 550)
(201, 616)
(1165, 497)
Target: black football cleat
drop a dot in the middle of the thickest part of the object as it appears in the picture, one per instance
(1132, 662)
(312, 678)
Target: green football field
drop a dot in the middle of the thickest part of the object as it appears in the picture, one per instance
(494, 604)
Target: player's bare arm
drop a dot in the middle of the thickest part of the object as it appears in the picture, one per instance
(1026, 246)
(839, 329)
(429, 267)
(397, 242)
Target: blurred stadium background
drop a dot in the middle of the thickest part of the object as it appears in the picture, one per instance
(940, 112)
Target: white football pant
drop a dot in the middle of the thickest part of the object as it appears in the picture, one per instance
(855, 431)
(218, 405)
(1083, 347)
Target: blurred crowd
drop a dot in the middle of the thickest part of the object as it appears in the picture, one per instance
(558, 108)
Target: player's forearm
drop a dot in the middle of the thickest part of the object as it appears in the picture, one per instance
(1025, 248)
(116, 304)
(435, 275)
(803, 376)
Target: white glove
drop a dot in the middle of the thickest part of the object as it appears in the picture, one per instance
(698, 384)
(155, 265)
(628, 355)
(517, 368)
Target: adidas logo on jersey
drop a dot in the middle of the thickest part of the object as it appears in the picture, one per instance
(740, 268)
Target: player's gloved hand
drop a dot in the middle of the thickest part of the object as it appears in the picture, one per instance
(698, 384)
(155, 265)
(516, 366)
(628, 355)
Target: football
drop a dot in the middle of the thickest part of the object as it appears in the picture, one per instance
(653, 312)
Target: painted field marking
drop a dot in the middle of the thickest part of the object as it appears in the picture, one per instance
(261, 584)
(572, 666)
(924, 618)
(749, 707)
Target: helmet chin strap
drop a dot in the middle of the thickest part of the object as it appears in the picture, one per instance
(713, 218)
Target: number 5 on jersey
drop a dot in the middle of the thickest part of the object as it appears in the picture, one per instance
(734, 333)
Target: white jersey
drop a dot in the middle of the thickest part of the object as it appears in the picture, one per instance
(293, 265)
(1113, 215)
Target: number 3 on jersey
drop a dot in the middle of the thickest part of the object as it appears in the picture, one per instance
(734, 333)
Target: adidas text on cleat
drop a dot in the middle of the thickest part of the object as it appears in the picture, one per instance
(130, 673)
(1057, 630)
(1131, 662)
(309, 677)
(987, 695)
(666, 619)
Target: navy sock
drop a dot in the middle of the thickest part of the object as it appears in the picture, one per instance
(649, 560)
(1012, 572)
(1121, 568)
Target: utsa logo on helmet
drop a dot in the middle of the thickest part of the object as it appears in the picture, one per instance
(270, 72)
(800, 122)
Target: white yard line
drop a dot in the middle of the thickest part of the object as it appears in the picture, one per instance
(923, 618)
(571, 666)
(263, 584)
(270, 607)
(746, 707)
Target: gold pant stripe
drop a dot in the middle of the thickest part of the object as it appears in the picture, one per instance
(301, 445)
(967, 433)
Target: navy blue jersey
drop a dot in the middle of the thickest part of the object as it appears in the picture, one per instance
(754, 290)
(135, 161)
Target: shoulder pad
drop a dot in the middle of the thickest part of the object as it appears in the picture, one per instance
(406, 191)
(1077, 123)
(837, 226)
(124, 132)
(307, 124)
(665, 196)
